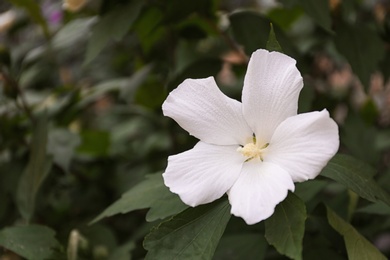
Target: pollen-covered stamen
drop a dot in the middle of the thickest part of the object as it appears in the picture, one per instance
(251, 151)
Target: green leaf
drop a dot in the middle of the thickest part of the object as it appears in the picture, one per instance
(72, 33)
(127, 87)
(306, 98)
(286, 227)
(309, 189)
(358, 247)
(319, 11)
(62, 145)
(251, 30)
(362, 47)
(94, 143)
(241, 246)
(36, 171)
(113, 26)
(285, 17)
(98, 91)
(356, 176)
(123, 252)
(155, 101)
(378, 208)
(201, 68)
(33, 242)
(178, 10)
(127, 92)
(382, 140)
(34, 11)
(272, 43)
(151, 193)
(356, 131)
(150, 28)
(192, 234)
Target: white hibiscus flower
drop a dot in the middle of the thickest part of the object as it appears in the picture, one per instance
(255, 150)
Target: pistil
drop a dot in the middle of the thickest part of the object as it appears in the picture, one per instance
(252, 151)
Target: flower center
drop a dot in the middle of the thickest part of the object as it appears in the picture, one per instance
(252, 151)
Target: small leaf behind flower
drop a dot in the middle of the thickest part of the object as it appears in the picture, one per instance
(286, 227)
(272, 43)
(192, 234)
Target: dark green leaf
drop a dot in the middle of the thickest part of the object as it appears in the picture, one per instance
(325, 238)
(241, 246)
(385, 64)
(102, 89)
(128, 90)
(308, 189)
(272, 43)
(286, 227)
(356, 131)
(122, 252)
(125, 86)
(285, 17)
(251, 30)
(4, 204)
(151, 193)
(192, 234)
(178, 10)
(113, 26)
(36, 171)
(32, 242)
(306, 98)
(358, 247)
(319, 11)
(143, 97)
(362, 47)
(357, 176)
(201, 68)
(62, 144)
(34, 11)
(94, 143)
(382, 141)
(150, 29)
(378, 208)
(72, 33)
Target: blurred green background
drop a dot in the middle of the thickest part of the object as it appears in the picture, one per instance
(82, 84)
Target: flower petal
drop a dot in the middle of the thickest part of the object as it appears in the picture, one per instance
(260, 187)
(303, 144)
(199, 107)
(204, 173)
(271, 90)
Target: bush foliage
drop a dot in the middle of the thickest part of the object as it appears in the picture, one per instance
(83, 141)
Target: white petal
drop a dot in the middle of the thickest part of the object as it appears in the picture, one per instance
(260, 187)
(270, 94)
(199, 107)
(303, 144)
(204, 173)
